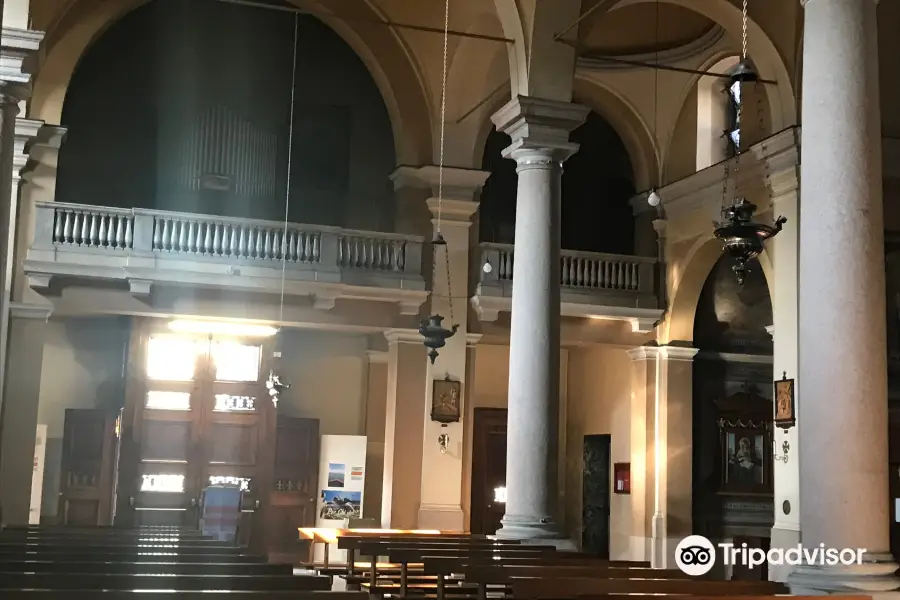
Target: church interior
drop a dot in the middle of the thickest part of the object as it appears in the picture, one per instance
(543, 269)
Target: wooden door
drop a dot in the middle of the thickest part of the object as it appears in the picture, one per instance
(595, 492)
(88, 466)
(296, 482)
(196, 413)
(488, 469)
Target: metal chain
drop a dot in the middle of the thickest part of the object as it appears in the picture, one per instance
(443, 113)
(744, 30)
(765, 138)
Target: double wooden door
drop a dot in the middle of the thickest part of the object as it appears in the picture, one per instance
(196, 413)
(488, 503)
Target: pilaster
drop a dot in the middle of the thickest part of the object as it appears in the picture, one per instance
(662, 432)
(18, 414)
(376, 399)
(405, 380)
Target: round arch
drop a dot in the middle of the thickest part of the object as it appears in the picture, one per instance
(695, 268)
(766, 58)
(632, 130)
(511, 22)
(476, 73)
(82, 22)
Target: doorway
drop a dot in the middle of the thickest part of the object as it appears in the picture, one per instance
(595, 495)
(196, 413)
(488, 502)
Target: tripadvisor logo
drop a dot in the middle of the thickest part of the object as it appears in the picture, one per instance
(695, 555)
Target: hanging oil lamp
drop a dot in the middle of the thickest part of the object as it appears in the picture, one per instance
(274, 385)
(742, 238)
(431, 329)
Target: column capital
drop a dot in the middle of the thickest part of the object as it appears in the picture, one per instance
(452, 211)
(17, 48)
(403, 336)
(539, 126)
(459, 184)
(27, 310)
(669, 353)
(472, 339)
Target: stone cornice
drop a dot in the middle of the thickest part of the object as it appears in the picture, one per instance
(403, 336)
(17, 46)
(461, 184)
(704, 188)
(453, 210)
(25, 310)
(27, 131)
(377, 357)
(669, 353)
(472, 339)
(699, 47)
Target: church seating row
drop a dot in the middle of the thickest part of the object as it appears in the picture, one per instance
(118, 564)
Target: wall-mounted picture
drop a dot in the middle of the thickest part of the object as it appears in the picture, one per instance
(784, 403)
(745, 460)
(356, 474)
(339, 505)
(336, 474)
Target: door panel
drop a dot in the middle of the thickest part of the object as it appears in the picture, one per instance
(595, 495)
(488, 469)
(296, 478)
(88, 463)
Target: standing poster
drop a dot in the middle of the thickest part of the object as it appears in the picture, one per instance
(341, 484)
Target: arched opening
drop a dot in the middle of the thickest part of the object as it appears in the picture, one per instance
(732, 416)
(597, 183)
(197, 119)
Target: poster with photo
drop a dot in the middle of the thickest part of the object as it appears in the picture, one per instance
(336, 473)
(339, 505)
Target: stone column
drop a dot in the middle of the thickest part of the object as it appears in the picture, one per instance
(786, 472)
(18, 415)
(540, 143)
(842, 446)
(376, 396)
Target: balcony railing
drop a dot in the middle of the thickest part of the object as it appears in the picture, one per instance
(154, 241)
(579, 270)
(592, 284)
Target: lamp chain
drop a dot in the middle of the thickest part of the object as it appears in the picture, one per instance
(441, 166)
(744, 30)
(290, 148)
(765, 138)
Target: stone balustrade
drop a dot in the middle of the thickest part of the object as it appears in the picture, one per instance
(75, 240)
(592, 284)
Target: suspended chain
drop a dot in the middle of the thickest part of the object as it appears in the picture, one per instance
(290, 148)
(438, 235)
(765, 139)
(744, 30)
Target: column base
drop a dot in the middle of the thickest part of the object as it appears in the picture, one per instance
(782, 538)
(442, 517)
(533, 530)
(874, 577)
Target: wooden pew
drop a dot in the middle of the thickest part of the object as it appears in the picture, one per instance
(560, 588)
(146, 568)
(182, 595)
(118, 581)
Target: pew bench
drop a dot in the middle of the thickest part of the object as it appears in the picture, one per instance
(116, 581)
(182, 595)
(559, 588)
(146, 568)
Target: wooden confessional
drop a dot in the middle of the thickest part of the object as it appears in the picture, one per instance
(196, 412)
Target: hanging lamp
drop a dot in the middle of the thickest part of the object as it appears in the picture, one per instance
(742, 238)
(274, 385)
(653, 198)
(431, 329)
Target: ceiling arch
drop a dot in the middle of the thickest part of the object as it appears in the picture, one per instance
(81, 22)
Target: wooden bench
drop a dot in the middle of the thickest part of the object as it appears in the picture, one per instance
(118, 581)
(559, 588)
(182, 595)
(146, 568)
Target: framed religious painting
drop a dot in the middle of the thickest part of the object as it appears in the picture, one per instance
(445, 401)
(746, 459)
(785, 416)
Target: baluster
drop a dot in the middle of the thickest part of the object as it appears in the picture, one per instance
(621, 269)
(67, 228)
(292, 246)
(267, 244)
(190, 236)
(102, 235)
(401, 256)
(573, 271)
(342, 251)
(183, 235)
(316, 247)
(158, 236)
(242, 242)
(218, 230)
(120, 232)
(207, 238)
(232, 236)
(307, 246)
(85, 229)
(594, 273)
(57, 226)
(259, 243)
(129, 231)
(76, 228)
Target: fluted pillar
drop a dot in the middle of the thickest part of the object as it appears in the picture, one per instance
(842, 348)
(540, 143)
